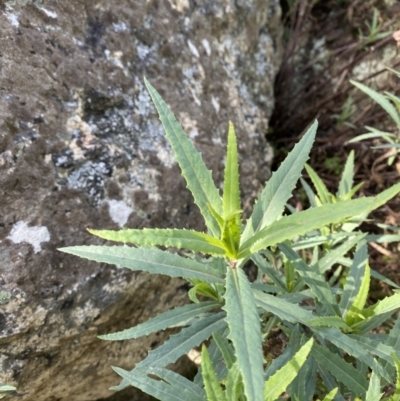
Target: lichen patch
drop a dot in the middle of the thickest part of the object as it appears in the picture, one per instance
(32, 235)
(12, 19)
(119, 211)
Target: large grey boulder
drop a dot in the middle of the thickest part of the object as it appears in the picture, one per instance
(81, 146)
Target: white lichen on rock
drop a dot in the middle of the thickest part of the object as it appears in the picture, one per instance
(119, 211)
(12, 19)
(32, 235)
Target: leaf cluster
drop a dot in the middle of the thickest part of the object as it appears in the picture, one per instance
(331, 348)
(374, 32)
(391, 104)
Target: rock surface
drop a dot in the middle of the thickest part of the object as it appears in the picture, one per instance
(81, 146)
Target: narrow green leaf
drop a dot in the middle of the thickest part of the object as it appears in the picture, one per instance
(353, 191)
(374, 388)
(304, 384)
(290, 275)
(312, 197)
(352, 347)
(158, 388)
(335, 277)
(175, 380)
(381, 238)
(277, 383)
(267, 269)
(375, 134)
(176, 317)
(395, 99)
(294, 345)
(324, 195)
(385, 305)
(5, 387)
(394, 71)
(315, 256)
(314, 240)
(382, 278)
(354, 314)
(313, 279)
(389, 227)
(330, 382)
(245, 332)
(231, 195)
(330, 321)
(396, 395)
(278, 189)
(283, 309)
(218, 218)
(343, 371)
(225, 348)
(234, 384)
(203, 289)
(393, 341)
(375, 347)
(216, 359)
(213, 388)
(302, 222)
(189, 239)
(216, 356)
(389, 136)
(231, 234)
(232, 226)
(336, 254)
(388, 146)
(271, 289)
(181, 343)
(296, 297)
(152, 260)
(198, 177)
(331, 395)
(6, 390)
(346, 181)
(381, 100)
(354, 278)
(360, 366)
(365, 326)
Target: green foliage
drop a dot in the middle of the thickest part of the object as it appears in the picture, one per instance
(323, 320)
(346, 191)
(284, 376)
(245, 331)
(212, 386)
(6, 390)
(391, 104)
(347, 112)
(373, 31)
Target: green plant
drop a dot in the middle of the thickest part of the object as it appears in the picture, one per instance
(391, 104)
(6, 390)
(347, 112)
(329, 324)
(333, 164)
(373, 34)
(329, 236)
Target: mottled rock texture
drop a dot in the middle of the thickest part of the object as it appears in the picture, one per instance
(81, 146)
